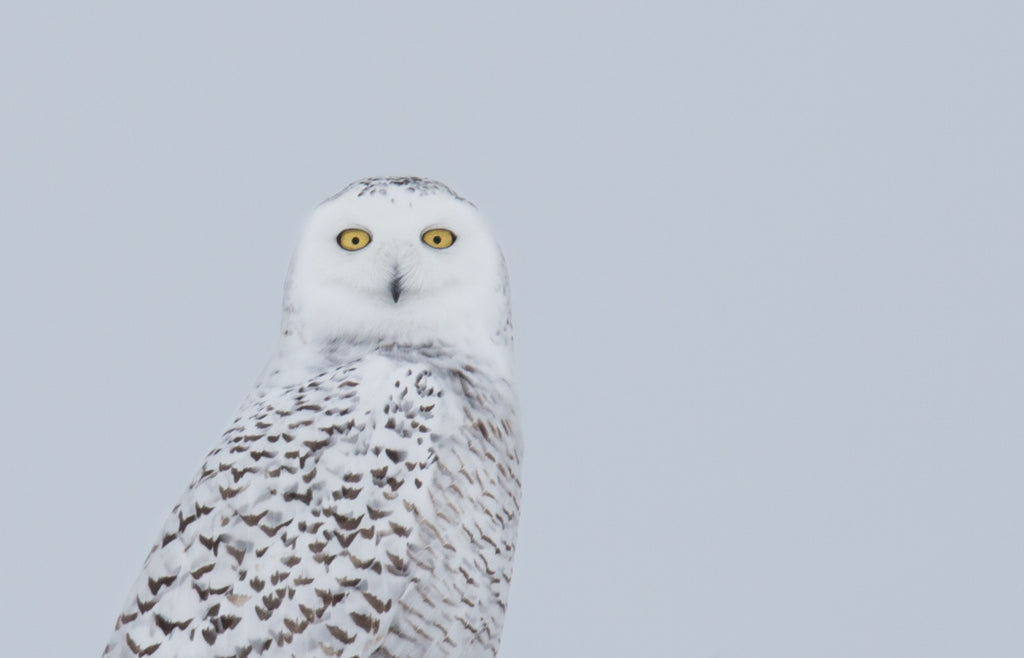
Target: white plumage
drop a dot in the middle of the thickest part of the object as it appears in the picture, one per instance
(364, 501)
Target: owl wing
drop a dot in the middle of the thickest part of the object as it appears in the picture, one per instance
(468, 540)
(297, 532)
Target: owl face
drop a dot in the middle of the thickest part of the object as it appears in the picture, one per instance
(397, 265)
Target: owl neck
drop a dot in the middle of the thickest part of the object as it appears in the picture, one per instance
(302, 356)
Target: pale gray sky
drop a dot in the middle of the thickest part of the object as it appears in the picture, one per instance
(767, 265)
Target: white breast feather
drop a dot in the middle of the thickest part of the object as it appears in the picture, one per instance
(320, 522)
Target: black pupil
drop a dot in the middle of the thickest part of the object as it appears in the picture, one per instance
(437, 239)
(355, 240)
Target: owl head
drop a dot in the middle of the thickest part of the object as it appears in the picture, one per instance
(397, 260)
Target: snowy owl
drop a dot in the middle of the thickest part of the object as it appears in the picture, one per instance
(364, 501)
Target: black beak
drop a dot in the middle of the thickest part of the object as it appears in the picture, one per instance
(396, 288)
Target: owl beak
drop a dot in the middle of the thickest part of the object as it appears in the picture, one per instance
(396, 287)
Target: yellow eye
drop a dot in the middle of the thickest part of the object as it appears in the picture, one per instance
(438, 238)
(353, 239)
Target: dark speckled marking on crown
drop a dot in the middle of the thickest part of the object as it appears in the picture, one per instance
(387, 185)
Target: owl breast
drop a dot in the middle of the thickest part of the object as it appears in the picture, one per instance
(369, 510)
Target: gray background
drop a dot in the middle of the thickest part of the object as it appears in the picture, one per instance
(767, 267)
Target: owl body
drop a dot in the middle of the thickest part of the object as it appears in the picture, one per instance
(364, 501)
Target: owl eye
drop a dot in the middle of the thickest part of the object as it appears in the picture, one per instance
(353, 239)
(438, 238)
